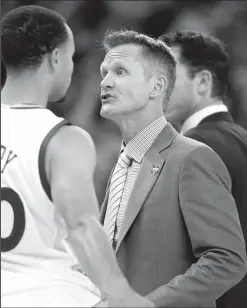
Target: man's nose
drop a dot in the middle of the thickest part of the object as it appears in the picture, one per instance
(107, 82)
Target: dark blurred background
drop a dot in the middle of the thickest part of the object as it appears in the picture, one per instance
(90, 19)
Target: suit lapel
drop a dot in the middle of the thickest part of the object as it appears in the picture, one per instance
(149, 171)
(143, 184)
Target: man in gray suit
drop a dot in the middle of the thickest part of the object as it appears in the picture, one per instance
(168, 210)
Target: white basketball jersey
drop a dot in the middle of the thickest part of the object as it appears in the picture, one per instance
(32, 231)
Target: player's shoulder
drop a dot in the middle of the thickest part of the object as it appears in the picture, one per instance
(72, 133)
(70, 145)
(71, 140)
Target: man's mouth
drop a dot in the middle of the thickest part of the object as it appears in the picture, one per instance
(106, 97)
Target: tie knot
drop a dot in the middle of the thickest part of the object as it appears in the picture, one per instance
(124, 160)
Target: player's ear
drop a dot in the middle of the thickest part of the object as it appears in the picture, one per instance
(54, 58)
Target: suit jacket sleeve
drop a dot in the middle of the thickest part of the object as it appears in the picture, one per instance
(213, 226)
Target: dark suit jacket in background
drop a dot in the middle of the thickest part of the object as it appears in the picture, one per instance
(181, 243)
(229, 141)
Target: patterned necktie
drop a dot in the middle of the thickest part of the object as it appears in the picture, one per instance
(116, 191)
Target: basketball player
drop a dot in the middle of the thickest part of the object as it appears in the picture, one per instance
(48, 201)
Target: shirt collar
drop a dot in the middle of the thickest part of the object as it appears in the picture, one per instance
(198, 116)
(137, 147)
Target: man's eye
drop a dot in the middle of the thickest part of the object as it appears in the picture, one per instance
(121, 72)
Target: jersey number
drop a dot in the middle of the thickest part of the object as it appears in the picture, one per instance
(10, 242)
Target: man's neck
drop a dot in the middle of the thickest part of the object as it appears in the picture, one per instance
(24, 89)
(131, 126)
(206, 103)
(201, 113)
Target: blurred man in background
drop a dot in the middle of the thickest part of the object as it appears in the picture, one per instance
(49, 209)
(197, 109)
(168, 210)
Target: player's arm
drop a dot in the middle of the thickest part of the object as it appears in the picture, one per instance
(103, 268)
(70, 164)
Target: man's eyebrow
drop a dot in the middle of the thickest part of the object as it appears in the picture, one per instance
(117, 62)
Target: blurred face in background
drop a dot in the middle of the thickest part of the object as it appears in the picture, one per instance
(63, 66)
(124, 87)
(183, 98)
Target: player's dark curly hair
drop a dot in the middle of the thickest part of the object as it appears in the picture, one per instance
(28, 33)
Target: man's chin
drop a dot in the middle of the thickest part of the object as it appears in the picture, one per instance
(114, 113)
(107, 112)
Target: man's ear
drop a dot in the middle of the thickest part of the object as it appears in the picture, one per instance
(203, 82)
(54, 58)
(159, 86)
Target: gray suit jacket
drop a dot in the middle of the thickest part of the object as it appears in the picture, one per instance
(181, 242)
